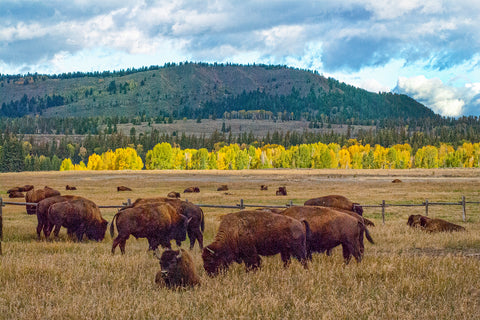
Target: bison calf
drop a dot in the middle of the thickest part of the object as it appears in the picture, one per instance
(177, 270)
(432, 225)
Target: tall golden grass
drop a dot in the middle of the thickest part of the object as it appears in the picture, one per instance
(406, 274)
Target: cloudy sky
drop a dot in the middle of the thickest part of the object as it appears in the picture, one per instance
(428, 49)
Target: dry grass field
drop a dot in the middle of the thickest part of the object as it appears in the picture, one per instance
(406, 274)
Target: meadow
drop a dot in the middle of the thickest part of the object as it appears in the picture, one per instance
(406, 274)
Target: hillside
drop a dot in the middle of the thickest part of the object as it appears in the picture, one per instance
(194, 90)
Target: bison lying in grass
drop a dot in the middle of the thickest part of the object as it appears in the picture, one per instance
(177, 270)
(432, 225)
(246, 235)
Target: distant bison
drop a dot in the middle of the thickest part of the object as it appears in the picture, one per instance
(68, 187)
(158, 222)
(16, 194)
(263, 187)
(177, 270)
(123, 188)
(432, 225)
(173, 194)
(37, 195)
(245, 235)
(192, 190)
(282, 191)
(223, 187)
(196, 226)
(396, 181)
(80, 217)
(330, 228)
(42, 212)
(25, 188)
(335, 201)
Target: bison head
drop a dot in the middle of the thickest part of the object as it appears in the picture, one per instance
(96, 231)
(169, 262)
(179, 233)
(356, 207)
(213, 261)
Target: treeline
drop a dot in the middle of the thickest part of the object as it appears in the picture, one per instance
(316, 156)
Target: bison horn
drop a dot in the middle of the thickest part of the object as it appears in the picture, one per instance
(210, 250)
(179, 255)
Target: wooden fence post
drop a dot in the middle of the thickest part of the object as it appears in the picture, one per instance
(383, 211)
(1, 226)
(464, 212)
(426, 207)
(241, 204)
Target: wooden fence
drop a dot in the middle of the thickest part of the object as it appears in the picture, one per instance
(242, 205)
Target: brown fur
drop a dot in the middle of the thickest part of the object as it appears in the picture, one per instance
(335, 201)
(177, 270)
(173, 194)
(282, 191)
(192, 190)
(263, 187)
(16, 194)
(42, 212)
(158, 222)
(67, 187)
(196, 226)
(80, 216)
(223, 187)
(246, 235)
(330, 228)
(396, 181)
(432, 225)
(37, 195)
(123, 188)
(25, 188)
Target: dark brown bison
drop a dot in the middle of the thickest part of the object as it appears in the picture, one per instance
(196, 226)
(246, 235)
(68, 187)
(335, 201)
(263, 187)
(80, 217)
(330, 228)
(192, 190)
(158, 222)
(282, 191)
(37, 195)
(396, 181)
(123, 188)
(432, 225)
(173, 194)
(25, 188)
(16, 194)
(42, 212)
(223, 187)
(177, 270)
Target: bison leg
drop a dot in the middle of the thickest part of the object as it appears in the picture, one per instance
(285, 258)
(252, 262)
(346, 253)
(195, 235)
(56, 231)
(119, 241)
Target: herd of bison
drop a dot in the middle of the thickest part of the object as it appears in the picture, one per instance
(318, 226)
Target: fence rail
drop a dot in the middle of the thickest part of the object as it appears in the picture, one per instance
(242, 205)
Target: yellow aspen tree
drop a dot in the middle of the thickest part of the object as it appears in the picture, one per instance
(344, 159)
(95, 162)
(108, 159)
(66, 165)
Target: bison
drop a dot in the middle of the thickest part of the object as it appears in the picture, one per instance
(245, 235)
(335, 201)
(192, 190)
(263, 187)
(173, 194)
(188, 209)
(79, 216)
(432, 225)
(396, 181)
(223, 187)
(282, 191)
(42, 212)
(37, 195)
(25, 188)
(68, 187)
(177, 270)
(158, 222)
(123, 188)
(330, 228)
(16, 194)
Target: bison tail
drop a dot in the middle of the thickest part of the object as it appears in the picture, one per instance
(308, 231)
(202, 222)
(368, 236)
(112, 225)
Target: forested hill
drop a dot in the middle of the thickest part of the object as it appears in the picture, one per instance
(196, 90)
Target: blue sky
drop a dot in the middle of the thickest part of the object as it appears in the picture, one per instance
(427, 49)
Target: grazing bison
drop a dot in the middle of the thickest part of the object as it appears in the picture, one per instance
(192, 190)
(263, 187)
(432, 225)
(335, 201)
(282, 191)
(330, 228)
(42, 212)
(196, 226)
(16, 194)
(37, 195)
(245, 235)
(177, 270)
(223, 187)
(68, 187)
(123, 188)
(158, 222)
(173, 194)
(79, 216)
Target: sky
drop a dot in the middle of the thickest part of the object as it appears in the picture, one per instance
(429, 49)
